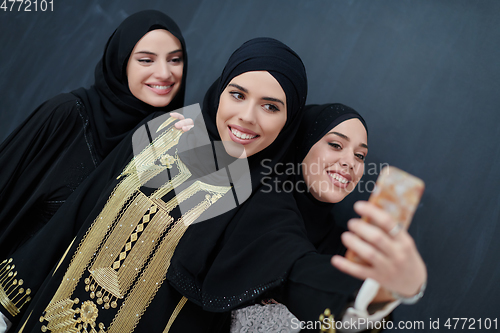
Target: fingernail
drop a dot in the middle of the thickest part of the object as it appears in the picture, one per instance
(359, 204)
(346, 234)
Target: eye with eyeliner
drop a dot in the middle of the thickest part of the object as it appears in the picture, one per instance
(360, 157)
(145, 61)
(271, 108)
(237, 95)
(177, 60)
(335, 145)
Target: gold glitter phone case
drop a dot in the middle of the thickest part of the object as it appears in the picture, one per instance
(398, 193)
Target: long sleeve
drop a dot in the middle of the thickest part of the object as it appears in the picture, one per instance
(42, 162)
(314, 285)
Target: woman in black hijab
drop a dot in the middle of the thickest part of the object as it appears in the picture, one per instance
(340, 150)
(158, 194)
(48, 156)
(331, 147)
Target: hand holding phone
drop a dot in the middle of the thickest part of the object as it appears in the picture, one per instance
(398, 193)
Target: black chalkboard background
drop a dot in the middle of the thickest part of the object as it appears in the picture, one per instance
(425, 74)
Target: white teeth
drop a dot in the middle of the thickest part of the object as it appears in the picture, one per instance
(339, 178)
(240, 135)
(160, 87)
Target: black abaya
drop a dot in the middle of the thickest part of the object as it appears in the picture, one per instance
(48, 156)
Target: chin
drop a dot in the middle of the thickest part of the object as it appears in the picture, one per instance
(330, 197)
(160, 104)
(234, 149)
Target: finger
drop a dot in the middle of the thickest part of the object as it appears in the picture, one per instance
(187, 128)
(375, 215)
(358, 271)
(364, 250)
(176, 115)
(373, 235)
(181, 123)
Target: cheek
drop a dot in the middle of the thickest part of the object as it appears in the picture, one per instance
(223, 111)
(177, 71)
(130, 76)
(358, 174)
(273, 127)
(311, 168)
(220, 119)
(133, 76)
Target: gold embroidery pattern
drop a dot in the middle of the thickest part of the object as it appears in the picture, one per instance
(166, 123)
(134, 236)
(119, 201)
(174, 315)
(154, 274)
(24, 325)
(104, 269)
(180, 178)
(327, 322)
(64, 256)
(123, 192)
(167, 160)
(12, 295)
(127, 250)
(62, 313)
(144, 160)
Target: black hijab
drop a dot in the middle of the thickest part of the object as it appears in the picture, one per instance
(263, 54)
(113, 109)
(224, 262)
(317, 122)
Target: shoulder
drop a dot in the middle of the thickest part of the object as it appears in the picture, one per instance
(62, 109)
(59, 113)
(62, 104)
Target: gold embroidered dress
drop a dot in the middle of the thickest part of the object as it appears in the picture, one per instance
(121, 262)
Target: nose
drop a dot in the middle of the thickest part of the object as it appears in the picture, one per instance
(347, 159)
(163, 71)
(247, 113)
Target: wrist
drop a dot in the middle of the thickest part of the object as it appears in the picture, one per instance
(412, 299)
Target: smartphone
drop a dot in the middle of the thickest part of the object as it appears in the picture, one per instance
(398, 193)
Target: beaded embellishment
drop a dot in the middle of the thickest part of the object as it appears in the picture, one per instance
(327, 321)
(13, 296)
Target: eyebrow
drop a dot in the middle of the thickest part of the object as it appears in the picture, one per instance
(345, 137)
(273, 100)
(152, 53)
(245, 90)
(238, 87)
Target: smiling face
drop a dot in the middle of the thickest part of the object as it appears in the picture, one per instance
(155, 67)
(252, 112)
(335, 164)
